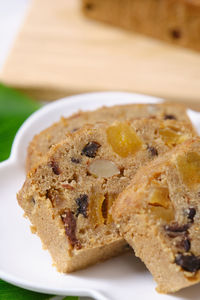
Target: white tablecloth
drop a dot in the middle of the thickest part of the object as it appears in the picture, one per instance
(12, 13)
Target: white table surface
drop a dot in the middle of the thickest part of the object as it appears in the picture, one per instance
(12, 14)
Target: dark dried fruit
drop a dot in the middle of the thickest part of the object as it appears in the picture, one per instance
(75, 160)
(55, 168)
(74, 129)
(175, 33)
(70, 228)
(90, 149)
(127, 247)
(176, 227)
(104, 208)
(186, 244)
(122, 171)
(32, 201)
(190, 263)
(174, 235)
(191, 212)
(153, 151)
(169, 117)
(89, 6)
(82, 203)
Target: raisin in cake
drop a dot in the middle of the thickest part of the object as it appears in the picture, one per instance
(159, 216)
(42, 142)
(174, 21)
(67, 197)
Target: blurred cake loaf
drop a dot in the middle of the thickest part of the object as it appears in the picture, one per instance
(174, 21)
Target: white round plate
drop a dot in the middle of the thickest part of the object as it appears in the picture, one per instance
(24, 263)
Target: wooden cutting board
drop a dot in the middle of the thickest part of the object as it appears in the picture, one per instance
(59, 52)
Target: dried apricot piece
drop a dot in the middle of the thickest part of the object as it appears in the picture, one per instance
(160, 197)
(189, 168)
(160, 205)
(159, 212)
(172, 137)
(123, 139)
(95, 209)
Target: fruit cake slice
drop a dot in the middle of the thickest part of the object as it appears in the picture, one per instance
(42, 142)
(67, 197)
(159, 216)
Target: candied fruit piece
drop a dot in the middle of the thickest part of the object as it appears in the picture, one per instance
(123, 139)
(110, 199)
(56, 197)
(171, 137)
(95, 209)
(189, 168)
(160, 197)
(160, 204)
(159, 212)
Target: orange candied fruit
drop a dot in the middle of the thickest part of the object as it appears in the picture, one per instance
(100, 208)
(123, 139)
(160, 205)
(171, 137)
(95, 207)
(189, 168)
(160, 197)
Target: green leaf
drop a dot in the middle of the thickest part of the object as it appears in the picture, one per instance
(70, 298)
(11, 292)
(15, 108)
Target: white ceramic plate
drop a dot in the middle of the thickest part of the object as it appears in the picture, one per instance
(22, 260)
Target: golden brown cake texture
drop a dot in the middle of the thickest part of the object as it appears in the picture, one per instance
(42, 142)
(159, 216)
(174, 21)
(68, 196)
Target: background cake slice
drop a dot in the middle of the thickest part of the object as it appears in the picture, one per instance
(68, 196)
(174, 21)
(159, 216)
(42, 142)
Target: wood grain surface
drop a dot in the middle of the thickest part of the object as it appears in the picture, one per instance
(59, 52)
